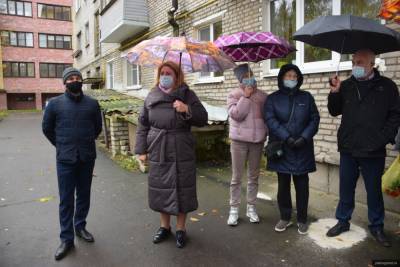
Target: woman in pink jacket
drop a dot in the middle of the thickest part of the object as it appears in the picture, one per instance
(247, 132)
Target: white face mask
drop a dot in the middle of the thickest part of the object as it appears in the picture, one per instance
(290, 83)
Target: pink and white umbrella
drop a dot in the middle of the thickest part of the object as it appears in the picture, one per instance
(254, 46)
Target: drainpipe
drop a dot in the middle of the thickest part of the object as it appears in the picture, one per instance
(171, 18)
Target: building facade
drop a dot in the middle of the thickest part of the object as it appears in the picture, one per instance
(36, 48)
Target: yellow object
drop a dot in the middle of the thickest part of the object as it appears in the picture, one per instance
(193, 219)
(45, 199)
(391, 179)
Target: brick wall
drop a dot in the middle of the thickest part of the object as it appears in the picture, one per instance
(36, 85)
(119, 136)
(247, 16)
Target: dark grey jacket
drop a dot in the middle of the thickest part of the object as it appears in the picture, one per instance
(165, 135)
(397, 140)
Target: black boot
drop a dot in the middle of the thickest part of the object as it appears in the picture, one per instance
(63, 250)
(85, 235)
(180, 239)
(338, 229)
(380, 236)
(161, 235)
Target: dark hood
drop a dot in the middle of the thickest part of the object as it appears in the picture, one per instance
(283, 70)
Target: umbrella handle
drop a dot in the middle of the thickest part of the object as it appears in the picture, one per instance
(341, 51)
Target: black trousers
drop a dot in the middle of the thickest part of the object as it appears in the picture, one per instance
(285, 199)
(74, 185)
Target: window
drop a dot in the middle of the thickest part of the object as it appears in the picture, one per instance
(132, 76)
(210, 32)
(52, 70)
(96, 34)
(110, 75)
(46, 11)
(18, 69)
(54, 41)
(87, 37)
(21, 39)
(25, 98)
(283, 17)
(17, 8)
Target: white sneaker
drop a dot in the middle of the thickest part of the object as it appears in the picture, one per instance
(233, 216)
(252, 214)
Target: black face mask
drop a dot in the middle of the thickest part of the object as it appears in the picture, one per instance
(74, 87)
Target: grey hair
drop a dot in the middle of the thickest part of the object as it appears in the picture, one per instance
(368, 52)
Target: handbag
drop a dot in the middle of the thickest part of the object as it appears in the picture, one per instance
(274, 149)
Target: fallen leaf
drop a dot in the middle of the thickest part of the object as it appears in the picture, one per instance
(193, 219)
(338, 238)
(287, 241)
(201, 213)
(214, 211)
(45, 199)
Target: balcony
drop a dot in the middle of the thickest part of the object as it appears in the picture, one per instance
(121, 19)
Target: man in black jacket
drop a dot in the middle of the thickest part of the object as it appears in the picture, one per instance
(370, 108)
(72, 122)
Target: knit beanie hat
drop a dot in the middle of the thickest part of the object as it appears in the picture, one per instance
(69, 72)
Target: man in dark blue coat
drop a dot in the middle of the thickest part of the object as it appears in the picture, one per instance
(71, 123)
(370, 108)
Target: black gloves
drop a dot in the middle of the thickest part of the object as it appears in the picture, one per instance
(290, 142)
(295, 143)
(300, 142)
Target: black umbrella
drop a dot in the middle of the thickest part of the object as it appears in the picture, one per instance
(346, 34)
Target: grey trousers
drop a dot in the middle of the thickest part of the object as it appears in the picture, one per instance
(241, 153)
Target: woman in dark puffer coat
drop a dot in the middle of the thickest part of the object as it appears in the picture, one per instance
(164, 139)
(292, 118)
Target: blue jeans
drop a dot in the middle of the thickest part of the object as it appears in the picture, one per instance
(74, 177)
(371, 170)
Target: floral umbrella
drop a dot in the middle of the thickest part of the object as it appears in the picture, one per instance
(254, 46)
(390, 10)
(191, 55)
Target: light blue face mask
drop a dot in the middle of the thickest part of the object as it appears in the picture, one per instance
(290, 83)
(166, 81)
(358, 72)
(249, 81)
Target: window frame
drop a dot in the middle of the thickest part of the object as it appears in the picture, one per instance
(127, 72)
(54, 9)
(55, 42)
(87, 34)
(16, 11)
(306, 67)
(19, 69)
(199, 25)
(17, 39)
(66, 65)
(110, 83)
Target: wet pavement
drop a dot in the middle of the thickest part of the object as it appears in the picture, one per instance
(123, 225)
